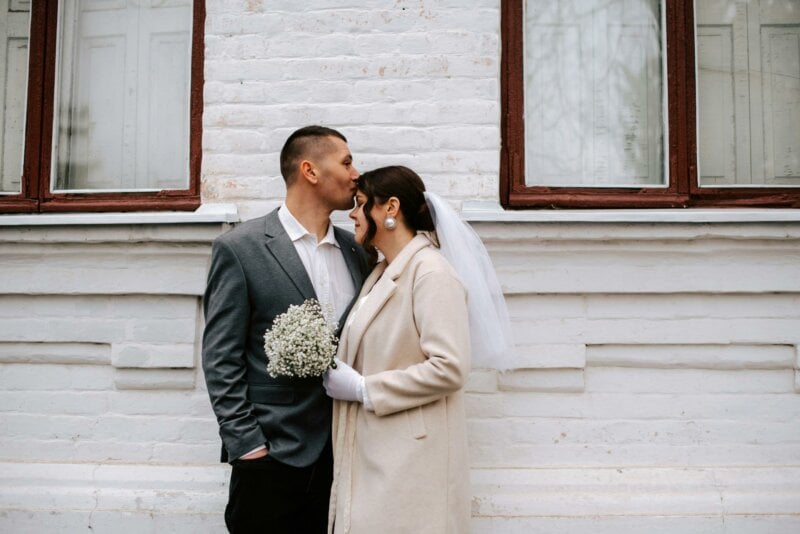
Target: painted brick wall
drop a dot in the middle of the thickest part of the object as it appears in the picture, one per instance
(408, 82)
(656, 379)
(656, 386)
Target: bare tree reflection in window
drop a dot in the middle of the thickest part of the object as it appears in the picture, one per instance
(593, 93)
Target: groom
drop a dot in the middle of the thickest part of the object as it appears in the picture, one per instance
(276, 431)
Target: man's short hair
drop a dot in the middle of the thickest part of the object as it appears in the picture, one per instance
(300, 144)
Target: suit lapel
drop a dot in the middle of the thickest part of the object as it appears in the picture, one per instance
(351, 257)
(355, 264)
(282, 249)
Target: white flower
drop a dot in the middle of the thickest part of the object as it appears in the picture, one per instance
(301, 342)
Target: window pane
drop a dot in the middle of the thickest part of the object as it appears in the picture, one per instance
(14, 31)
(122, 120)
(748, 57)
(593, 93)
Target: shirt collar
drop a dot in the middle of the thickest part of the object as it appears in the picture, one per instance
(297, 231)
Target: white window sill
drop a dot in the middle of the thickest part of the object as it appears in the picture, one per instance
(205, 214)
(472, 211)
(485, 211)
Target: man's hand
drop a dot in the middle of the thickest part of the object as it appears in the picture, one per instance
(254, 455)
(344, 383)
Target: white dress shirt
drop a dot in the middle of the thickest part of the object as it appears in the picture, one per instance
(324, 264)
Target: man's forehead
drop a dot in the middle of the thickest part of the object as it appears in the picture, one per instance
(328, 147)
(339, 145)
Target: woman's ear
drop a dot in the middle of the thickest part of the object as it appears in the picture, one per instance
(393, 206)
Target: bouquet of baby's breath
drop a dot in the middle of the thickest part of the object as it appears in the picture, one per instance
(301, 342)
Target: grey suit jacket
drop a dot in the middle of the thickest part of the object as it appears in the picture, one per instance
(255, 275)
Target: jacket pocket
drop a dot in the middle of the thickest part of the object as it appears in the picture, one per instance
(269, 394)
(416, 422)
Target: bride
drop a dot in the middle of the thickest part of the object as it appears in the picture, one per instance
(399, 426)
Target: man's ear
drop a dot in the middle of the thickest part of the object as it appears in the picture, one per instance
(309, 172)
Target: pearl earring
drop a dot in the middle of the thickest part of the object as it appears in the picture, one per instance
(390, 223)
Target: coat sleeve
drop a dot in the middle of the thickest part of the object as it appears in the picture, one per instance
(227, 313)
(441, 318)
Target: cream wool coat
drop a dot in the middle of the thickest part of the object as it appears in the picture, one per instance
(403, 469)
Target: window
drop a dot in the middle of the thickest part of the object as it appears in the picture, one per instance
(102, 104)
(648, 103)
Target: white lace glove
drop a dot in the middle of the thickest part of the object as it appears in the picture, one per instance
(345, 383)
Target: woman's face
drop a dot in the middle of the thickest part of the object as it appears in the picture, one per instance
(377, 214)
(359, 218)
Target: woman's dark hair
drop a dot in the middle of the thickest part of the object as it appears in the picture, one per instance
(379, 185)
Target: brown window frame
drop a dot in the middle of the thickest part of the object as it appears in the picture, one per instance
(35, 195)
(682, 190)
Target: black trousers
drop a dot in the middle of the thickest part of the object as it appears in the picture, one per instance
(269, 497)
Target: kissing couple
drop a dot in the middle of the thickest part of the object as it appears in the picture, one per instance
(377, 443)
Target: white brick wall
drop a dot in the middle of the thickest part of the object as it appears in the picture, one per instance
(99, 345)
(656, 384)
(655, 402)
(652, 353)
(413, 83)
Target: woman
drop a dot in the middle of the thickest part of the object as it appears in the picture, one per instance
(399, 428)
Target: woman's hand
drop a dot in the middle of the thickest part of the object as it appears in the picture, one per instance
(344, 383)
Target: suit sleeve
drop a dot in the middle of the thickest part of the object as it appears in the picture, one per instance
(441, 318)
(227, 314)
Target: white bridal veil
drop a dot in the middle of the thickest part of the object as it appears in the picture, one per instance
(490, 327)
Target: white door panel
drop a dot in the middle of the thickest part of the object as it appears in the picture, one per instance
(14, 28)
(780, 49)
(165, 79)
(125, 95)
(748, 58)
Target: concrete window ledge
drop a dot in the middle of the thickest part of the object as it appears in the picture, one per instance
(199, 226)
(205, 214)
(486, 211)
(163, 253)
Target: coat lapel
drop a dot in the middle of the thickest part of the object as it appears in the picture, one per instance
(282, 249)
(378, 289)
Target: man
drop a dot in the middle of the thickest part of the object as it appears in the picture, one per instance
(276, 431)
